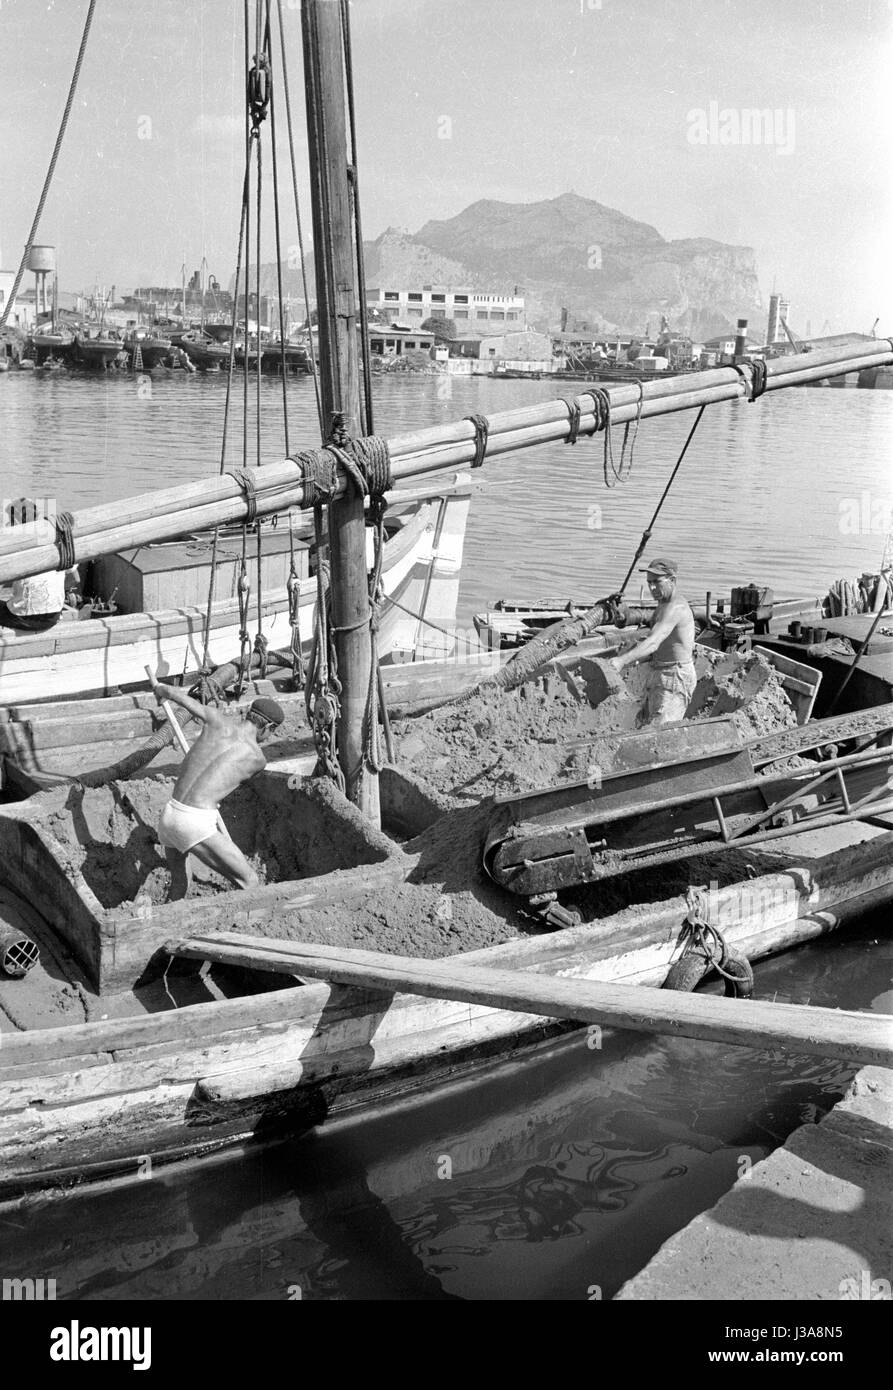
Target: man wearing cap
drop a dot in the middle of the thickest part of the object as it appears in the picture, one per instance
(226, 754)
(669, 645)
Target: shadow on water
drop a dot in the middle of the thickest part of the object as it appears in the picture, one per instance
(556, 1176)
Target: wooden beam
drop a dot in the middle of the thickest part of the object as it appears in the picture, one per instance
(173, 512)
(856, 1038)
(339, 381)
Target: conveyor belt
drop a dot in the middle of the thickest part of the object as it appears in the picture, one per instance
(578, 832)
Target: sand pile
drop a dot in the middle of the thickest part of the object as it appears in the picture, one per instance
(556, 728)
(108, 835)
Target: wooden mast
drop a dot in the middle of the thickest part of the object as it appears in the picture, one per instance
(336, 298)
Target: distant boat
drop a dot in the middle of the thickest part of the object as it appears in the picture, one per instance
(96, 352)
(205, 353)
(221, 332)
(51, 342)
(297, 358)
(154, 347)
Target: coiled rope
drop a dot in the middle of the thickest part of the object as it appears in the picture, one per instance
(614, 473)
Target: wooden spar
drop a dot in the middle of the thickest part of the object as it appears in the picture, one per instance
(170, 716)
(857, 1038)
(174, 512)
(339, 380)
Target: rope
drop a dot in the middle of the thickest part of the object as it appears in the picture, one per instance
(244, 596)
(367, 463)
(755, 378)
(353, 183)
(319, 474)
(10, 299)
(437, 628)
(282, 356)
(293, 589)
(245, 477)
(706, 939)
(294, 180)
(602, 421)
(573, 411)
(65, 540)
(212, 578)
(481, 437)
(646, 534)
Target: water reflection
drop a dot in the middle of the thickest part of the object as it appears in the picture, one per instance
(555, 1175)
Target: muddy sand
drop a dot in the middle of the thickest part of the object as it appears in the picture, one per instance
(556, 729)
(440, 902)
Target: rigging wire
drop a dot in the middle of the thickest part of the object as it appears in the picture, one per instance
(282, 354)
(294, 179)
(10, 299)
(354, 186)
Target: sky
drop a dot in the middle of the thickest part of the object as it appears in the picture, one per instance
(639, 104)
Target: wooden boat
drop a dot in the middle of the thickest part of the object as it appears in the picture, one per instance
(509, 623)
(208, 354)
(162, 595)
(53, 344)
(96, 352)
(154, 348)
(297, 359)
(154, 1081)
(200, 1061)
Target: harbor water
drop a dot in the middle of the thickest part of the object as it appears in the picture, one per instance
(560, 1173)
(556, 1177)
(793, 491)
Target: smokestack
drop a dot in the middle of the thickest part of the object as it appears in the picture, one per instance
(741, 339)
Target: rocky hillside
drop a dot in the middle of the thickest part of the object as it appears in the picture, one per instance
(609, 270)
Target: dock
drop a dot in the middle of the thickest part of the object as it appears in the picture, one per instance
(812, 1222)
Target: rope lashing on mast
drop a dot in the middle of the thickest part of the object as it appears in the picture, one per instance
(752, 371)
(573, 412)
(481, 435)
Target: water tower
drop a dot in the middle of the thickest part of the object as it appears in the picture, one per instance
(42, 261)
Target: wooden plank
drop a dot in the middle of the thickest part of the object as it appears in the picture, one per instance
(857, 1038)
(801, 682)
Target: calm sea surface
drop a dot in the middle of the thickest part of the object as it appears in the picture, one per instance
(792, 491)
(556, 1177)
(561, 1174)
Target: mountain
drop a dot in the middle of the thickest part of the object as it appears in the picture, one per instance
(607, 269)
(602, 265)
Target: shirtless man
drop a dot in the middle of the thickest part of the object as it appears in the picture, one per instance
(670, 644)
(226, 754)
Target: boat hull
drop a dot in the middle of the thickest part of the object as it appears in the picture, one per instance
(97, 656)
(109, 1095)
